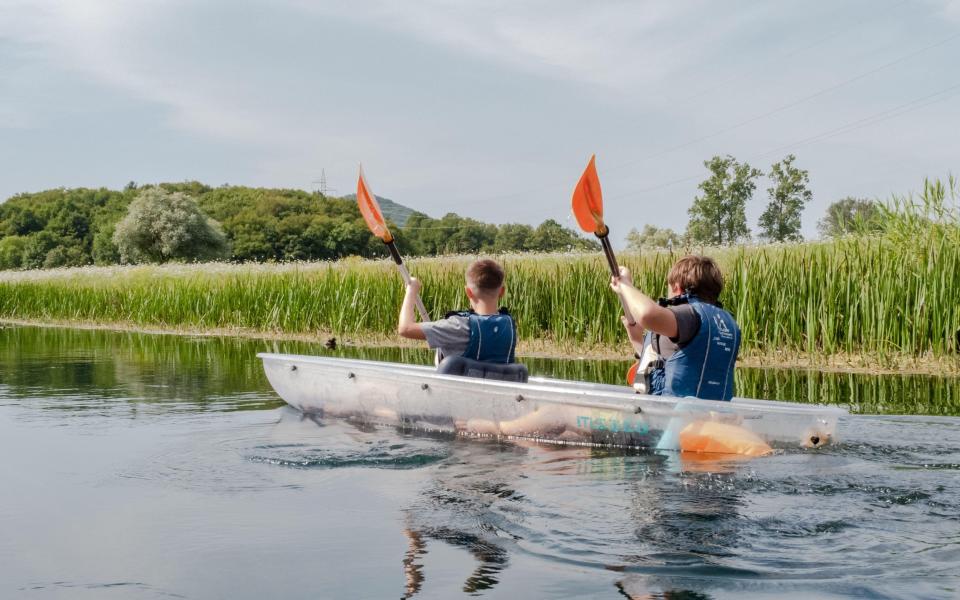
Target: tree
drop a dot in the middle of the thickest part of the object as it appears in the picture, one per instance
(513, 237)
(551, 236)
(105, 252)
(652, 237)
(850, 215)
(40, 251)
(162, 226)
(719, 217)
(789, 194)
(11, 251)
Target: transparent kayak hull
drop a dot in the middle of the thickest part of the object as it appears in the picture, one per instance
(542, 409)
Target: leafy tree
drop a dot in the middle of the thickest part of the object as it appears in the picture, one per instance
(652, 237)
(780, 222)
(513, 237)
(105, 252)
(551, 236)
(719, 217)
(66, 255)
(71, 219)
(850, 215)
(162, 226)
(22, 221)
(11, 251)
(347, 238)
(37, 247)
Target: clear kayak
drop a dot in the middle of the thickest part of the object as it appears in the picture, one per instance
(543, 409)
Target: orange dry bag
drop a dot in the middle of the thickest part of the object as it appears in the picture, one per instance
(722, 438)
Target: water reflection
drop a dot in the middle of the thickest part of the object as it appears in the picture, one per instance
(167, 368)
(502, 500)
(460, 508)
(864, 393)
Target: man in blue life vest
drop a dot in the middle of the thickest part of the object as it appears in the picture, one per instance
(687, 344)
(485, 333)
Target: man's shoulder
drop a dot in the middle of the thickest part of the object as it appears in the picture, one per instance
(451, 322)
(684, 311)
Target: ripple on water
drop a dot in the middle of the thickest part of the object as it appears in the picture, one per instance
(381, 454)
(220, 460)
(111, 589)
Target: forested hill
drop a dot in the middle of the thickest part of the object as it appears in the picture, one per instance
(73, 227)
(394, 211)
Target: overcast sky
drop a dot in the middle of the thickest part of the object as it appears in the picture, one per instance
(488, 108)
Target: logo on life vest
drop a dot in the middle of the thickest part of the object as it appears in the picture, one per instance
(721, 325)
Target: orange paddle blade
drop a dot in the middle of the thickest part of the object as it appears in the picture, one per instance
(632, 373)
(370, 209)
(588, 200)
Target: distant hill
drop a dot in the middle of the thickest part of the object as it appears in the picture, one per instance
(394, 211)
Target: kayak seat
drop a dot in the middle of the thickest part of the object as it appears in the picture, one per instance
(467, 367)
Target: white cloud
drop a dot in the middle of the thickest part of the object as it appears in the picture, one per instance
(620, 45)
(952, 9)
(109, 41)
(223, 71)
(12, 117)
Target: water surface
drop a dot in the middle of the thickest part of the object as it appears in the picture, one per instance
(139, 466)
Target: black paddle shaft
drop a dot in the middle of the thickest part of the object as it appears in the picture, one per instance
(394, 253)
(615, 271)
(608, 252)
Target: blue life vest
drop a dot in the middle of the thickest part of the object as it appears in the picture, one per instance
(703, 368)
(493, 338)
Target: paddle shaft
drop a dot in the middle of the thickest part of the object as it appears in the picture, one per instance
(395, 254)
(615, 271)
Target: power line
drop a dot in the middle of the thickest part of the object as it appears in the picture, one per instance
(797, 51)
(753, 119)
(789, 105)
(873, 119)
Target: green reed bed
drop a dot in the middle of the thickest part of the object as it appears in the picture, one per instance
(856, 296)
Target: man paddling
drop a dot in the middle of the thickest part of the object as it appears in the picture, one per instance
(687, 343)
(485, 333)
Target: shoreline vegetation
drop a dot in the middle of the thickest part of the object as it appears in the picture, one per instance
(865, 304)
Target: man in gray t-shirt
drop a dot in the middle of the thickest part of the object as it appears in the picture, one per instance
(450, 335)
(688, 324)
(484, 288)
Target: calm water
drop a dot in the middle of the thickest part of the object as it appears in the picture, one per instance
(160, 467)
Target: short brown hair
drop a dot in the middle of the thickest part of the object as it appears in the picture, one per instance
(485, 275)
(697, 275)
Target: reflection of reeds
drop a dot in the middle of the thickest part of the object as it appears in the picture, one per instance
(864, 393)
(166, 368)
(890, 295)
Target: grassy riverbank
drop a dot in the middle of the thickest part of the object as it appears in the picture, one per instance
(857, 303)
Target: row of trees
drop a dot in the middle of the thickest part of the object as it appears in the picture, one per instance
(718, 214)
(191, 221)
